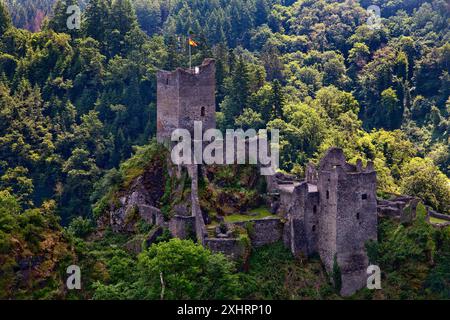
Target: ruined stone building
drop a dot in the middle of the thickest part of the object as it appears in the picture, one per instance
(333, 213)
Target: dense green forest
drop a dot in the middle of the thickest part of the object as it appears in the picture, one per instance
(75, 104)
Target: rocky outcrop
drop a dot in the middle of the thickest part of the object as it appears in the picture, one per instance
(138, 203)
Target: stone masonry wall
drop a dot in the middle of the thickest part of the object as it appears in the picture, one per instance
(168, 104)
(229, 247)
(185, 96)
(356, 224)
(182, 227)
(265, 231)
(198, 97)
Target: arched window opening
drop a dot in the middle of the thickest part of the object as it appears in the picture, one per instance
(203, 112)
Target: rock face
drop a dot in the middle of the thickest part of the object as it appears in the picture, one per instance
(139, 202)
(140, 198)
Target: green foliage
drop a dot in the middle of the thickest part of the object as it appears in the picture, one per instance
(5, 19)
(188, 270)
(249, 119)
(31, 233)
(75, 103)
(423, 179)
(275, 274)
(80, 227)
(185, 271)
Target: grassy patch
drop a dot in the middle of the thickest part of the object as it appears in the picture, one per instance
(254, 214)
(437, 220)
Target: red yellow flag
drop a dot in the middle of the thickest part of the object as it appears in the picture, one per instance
(192, 43)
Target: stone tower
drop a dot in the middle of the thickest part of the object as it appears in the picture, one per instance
(332, 213)
(347, 217)
(185, 96)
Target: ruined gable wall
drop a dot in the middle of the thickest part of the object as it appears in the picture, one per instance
(182, 227)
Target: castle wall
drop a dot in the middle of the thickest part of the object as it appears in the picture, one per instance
(290, 209)
(168, 105)
(182, 227)
(356, 224)
(301, 230)
(311, 217)
(265, 231)
(229, 247)
(328, 198)
(200, 227)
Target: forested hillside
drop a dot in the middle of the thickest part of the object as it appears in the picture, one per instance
(29, 14)
(74, 104)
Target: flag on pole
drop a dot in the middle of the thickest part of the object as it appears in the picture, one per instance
(192, 43)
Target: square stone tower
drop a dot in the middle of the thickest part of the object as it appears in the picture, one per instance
(185, 96)
(347, 217)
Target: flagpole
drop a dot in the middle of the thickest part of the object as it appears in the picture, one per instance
(190, 56)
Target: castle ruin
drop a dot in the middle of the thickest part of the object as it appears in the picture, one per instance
(332, 213)
(185, 96)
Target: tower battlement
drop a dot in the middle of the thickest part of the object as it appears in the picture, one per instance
(185, 96)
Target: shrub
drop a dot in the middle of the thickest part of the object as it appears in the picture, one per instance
(81, 227)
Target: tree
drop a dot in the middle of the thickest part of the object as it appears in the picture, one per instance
(278, 100)
(96, 19)
(249, 119)
(81, 174)
(124, 16)
(422, 178)
(358, 57)
(336, 102)
(59, 20)
(5, 18)
(238, 88)
(178, 269)
(149, 15)
(391, 109)
(337, 275)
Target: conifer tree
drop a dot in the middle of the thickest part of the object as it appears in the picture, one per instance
(5, 18)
